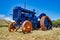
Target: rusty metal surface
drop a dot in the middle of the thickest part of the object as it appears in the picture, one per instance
(26, 26)
(42, 25)
(11, 28)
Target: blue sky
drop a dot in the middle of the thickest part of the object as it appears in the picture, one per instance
(50, 7)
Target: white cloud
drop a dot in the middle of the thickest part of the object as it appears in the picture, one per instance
(2, 15)
(9, 19)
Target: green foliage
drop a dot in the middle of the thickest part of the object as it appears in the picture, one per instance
(56, 22)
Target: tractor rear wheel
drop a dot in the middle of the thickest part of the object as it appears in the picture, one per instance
(26, 26)
(11, 28)
(45, 23)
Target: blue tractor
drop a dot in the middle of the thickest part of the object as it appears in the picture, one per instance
(29, 21)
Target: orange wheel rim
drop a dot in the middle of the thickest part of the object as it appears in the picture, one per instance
(12, 28)
(42, 25)
(27, 26)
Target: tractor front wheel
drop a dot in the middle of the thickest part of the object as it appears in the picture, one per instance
(26, 26)
(11, 28)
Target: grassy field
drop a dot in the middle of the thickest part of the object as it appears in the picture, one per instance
(34, 35)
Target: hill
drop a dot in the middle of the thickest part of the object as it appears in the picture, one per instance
(4, 22)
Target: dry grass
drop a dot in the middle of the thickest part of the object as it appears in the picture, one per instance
(34, 35)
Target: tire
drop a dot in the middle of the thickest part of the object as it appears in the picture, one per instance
(11, 28)
(45, 23)
(41, 15)
(26, 26)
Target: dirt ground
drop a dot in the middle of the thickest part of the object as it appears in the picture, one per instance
(34, 35)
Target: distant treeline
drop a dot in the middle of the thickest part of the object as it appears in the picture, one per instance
(56, 23)
(3, 25)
